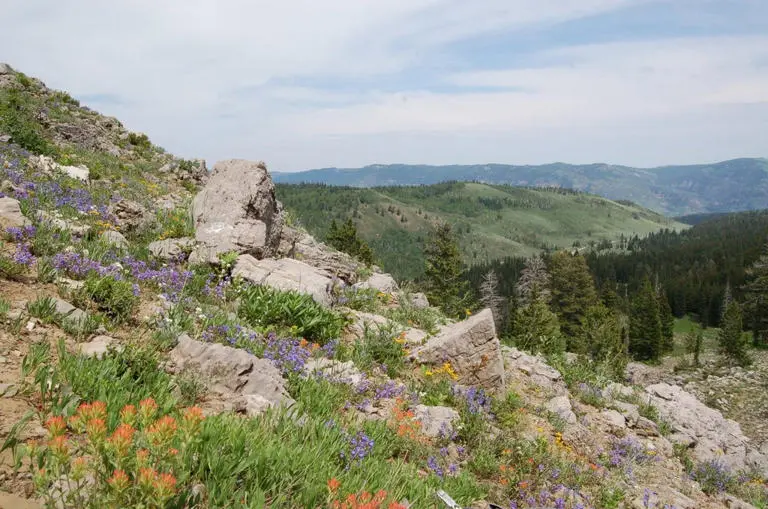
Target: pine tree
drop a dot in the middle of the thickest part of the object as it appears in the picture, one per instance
(534, 282)
(667, 322)
(756, 299)
(536, 329)
(693, 341)
(602, 338)
(345, 239)
(573, 292)
(645, 337)
(490, 298)
(731, 337)
(445, 284)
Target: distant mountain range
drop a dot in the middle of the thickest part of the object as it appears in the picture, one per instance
(728, 186)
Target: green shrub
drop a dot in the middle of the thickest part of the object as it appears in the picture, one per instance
(408, 315)
(117, 298)
(17, 119)
(380, 345)
(139, 140)
(43, 308)
(80, 328)
(268, 309)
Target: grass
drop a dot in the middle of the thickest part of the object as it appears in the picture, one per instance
(682, 327)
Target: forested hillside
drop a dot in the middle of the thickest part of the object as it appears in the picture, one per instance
(728, 186)
(694, 266)
(490, 221)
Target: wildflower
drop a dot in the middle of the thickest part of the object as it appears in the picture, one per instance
(79, 468)
(162, 431)
(147, 409)
(59, 447)
(56, 426)
(121, 439)
(119, 481)
(146, 478)
(165, 486)
(128, 414)
(142, 458)
(96, 429)
(333, 484)
(191, 418)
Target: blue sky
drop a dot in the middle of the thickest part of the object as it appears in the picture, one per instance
(304, 84)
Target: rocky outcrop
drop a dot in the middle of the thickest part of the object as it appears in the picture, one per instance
(10, 213)
(436, 420)
(471, 347)
(130, 215)
(237, 211)
(709, 434)
(561, 406)
(47, 166)
(532, 370)
(194, 170)
(240, 381)
(98, 347)
(285, 274)
(302, 246)
(335, 371)
(171, 249)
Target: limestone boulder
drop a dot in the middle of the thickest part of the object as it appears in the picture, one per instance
(10, 213)
(130, 215)
(302, 246)
(471, 347)
(436, 420)
(237, 380)
(285, 274)
(237, 211)
(171, 249)
(384, 283)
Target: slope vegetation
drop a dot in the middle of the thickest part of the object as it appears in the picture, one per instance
(492, 221)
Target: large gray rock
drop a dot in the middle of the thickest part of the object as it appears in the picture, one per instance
(711, 435)
(419, 300)
(335, 371)
(471, 347)
(436, 420)
(384, 283)
(285, 274)
(170, 249)
(237, 211)
(98, 347)
(238, 380)
(302, 246)
(10, 213)
(130, 215)
(114, 238)
(561, 406)
(532, 370)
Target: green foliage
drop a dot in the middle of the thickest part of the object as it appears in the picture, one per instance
(537, 329)
(380, 345)
(115, 297)
(756, 299)
(573, 292)
(5, 308)
(733, 342)
(693, 342)
(43, 308)
(139, 140)
(80, 327)
(602, 339)
(406, 314)
(645, 338)
(17, 118)
(174, 224)
(345, 239)
(444, 281)
(292, 312)
(667, 323)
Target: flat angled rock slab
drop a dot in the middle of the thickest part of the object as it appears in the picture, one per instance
(285, 274)
(471, 347)
(239, 380)
(10, 213)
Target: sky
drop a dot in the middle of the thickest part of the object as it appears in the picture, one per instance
(304, 84)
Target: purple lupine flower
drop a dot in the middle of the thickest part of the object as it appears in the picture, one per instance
(435, 467)
(23, 256)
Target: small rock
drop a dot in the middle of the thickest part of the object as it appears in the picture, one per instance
(8, 390)
(614, 419)
(98, 347)
(114, 238)
(419, 301)
(171, 249)
(435, 419)
(384, 283)
(561, 406)
(30, 325)
(10, 213)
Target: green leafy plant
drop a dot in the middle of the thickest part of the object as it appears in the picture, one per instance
(380, 345)
(269, 309)
(115, 297)
(43, 308)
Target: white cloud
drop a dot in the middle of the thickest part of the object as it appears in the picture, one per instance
(229, 78)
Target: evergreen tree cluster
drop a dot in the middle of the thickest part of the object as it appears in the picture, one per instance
(344, 237)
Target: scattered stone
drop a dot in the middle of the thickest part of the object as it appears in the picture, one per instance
(561, 406)
(663, 496)
(711, 435)
(384, 283)
(335, 371)
(285, 274)
(98, 347)
(614, 419)
(646, 427)
(617, 390)
(171, 249)
(471, 347)
(435, 419)
(114, 238)
(628, 410)
(302, 246)
(732, 502)
(419, 300)
(237, 211)
(10, 213)
(130, 215)
(238, 380)
(535, 370)
(76, 172)
(8, 390)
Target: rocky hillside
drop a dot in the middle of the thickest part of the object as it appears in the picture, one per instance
(728, 186)
(166, 340)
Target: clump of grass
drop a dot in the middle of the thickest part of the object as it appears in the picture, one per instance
(116, 297)
(408, 315)
(295, 313)
(43, 308)
(380, 346)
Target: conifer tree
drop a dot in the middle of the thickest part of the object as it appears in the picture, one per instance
(536, 329)
(756, 299)
(490, 298)
(534, 282)
(732, 341)
(667, 323)
(573, 292)
(693, 341)
(345, 239)
(445, 284)
(602, 338)
(645, 337)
